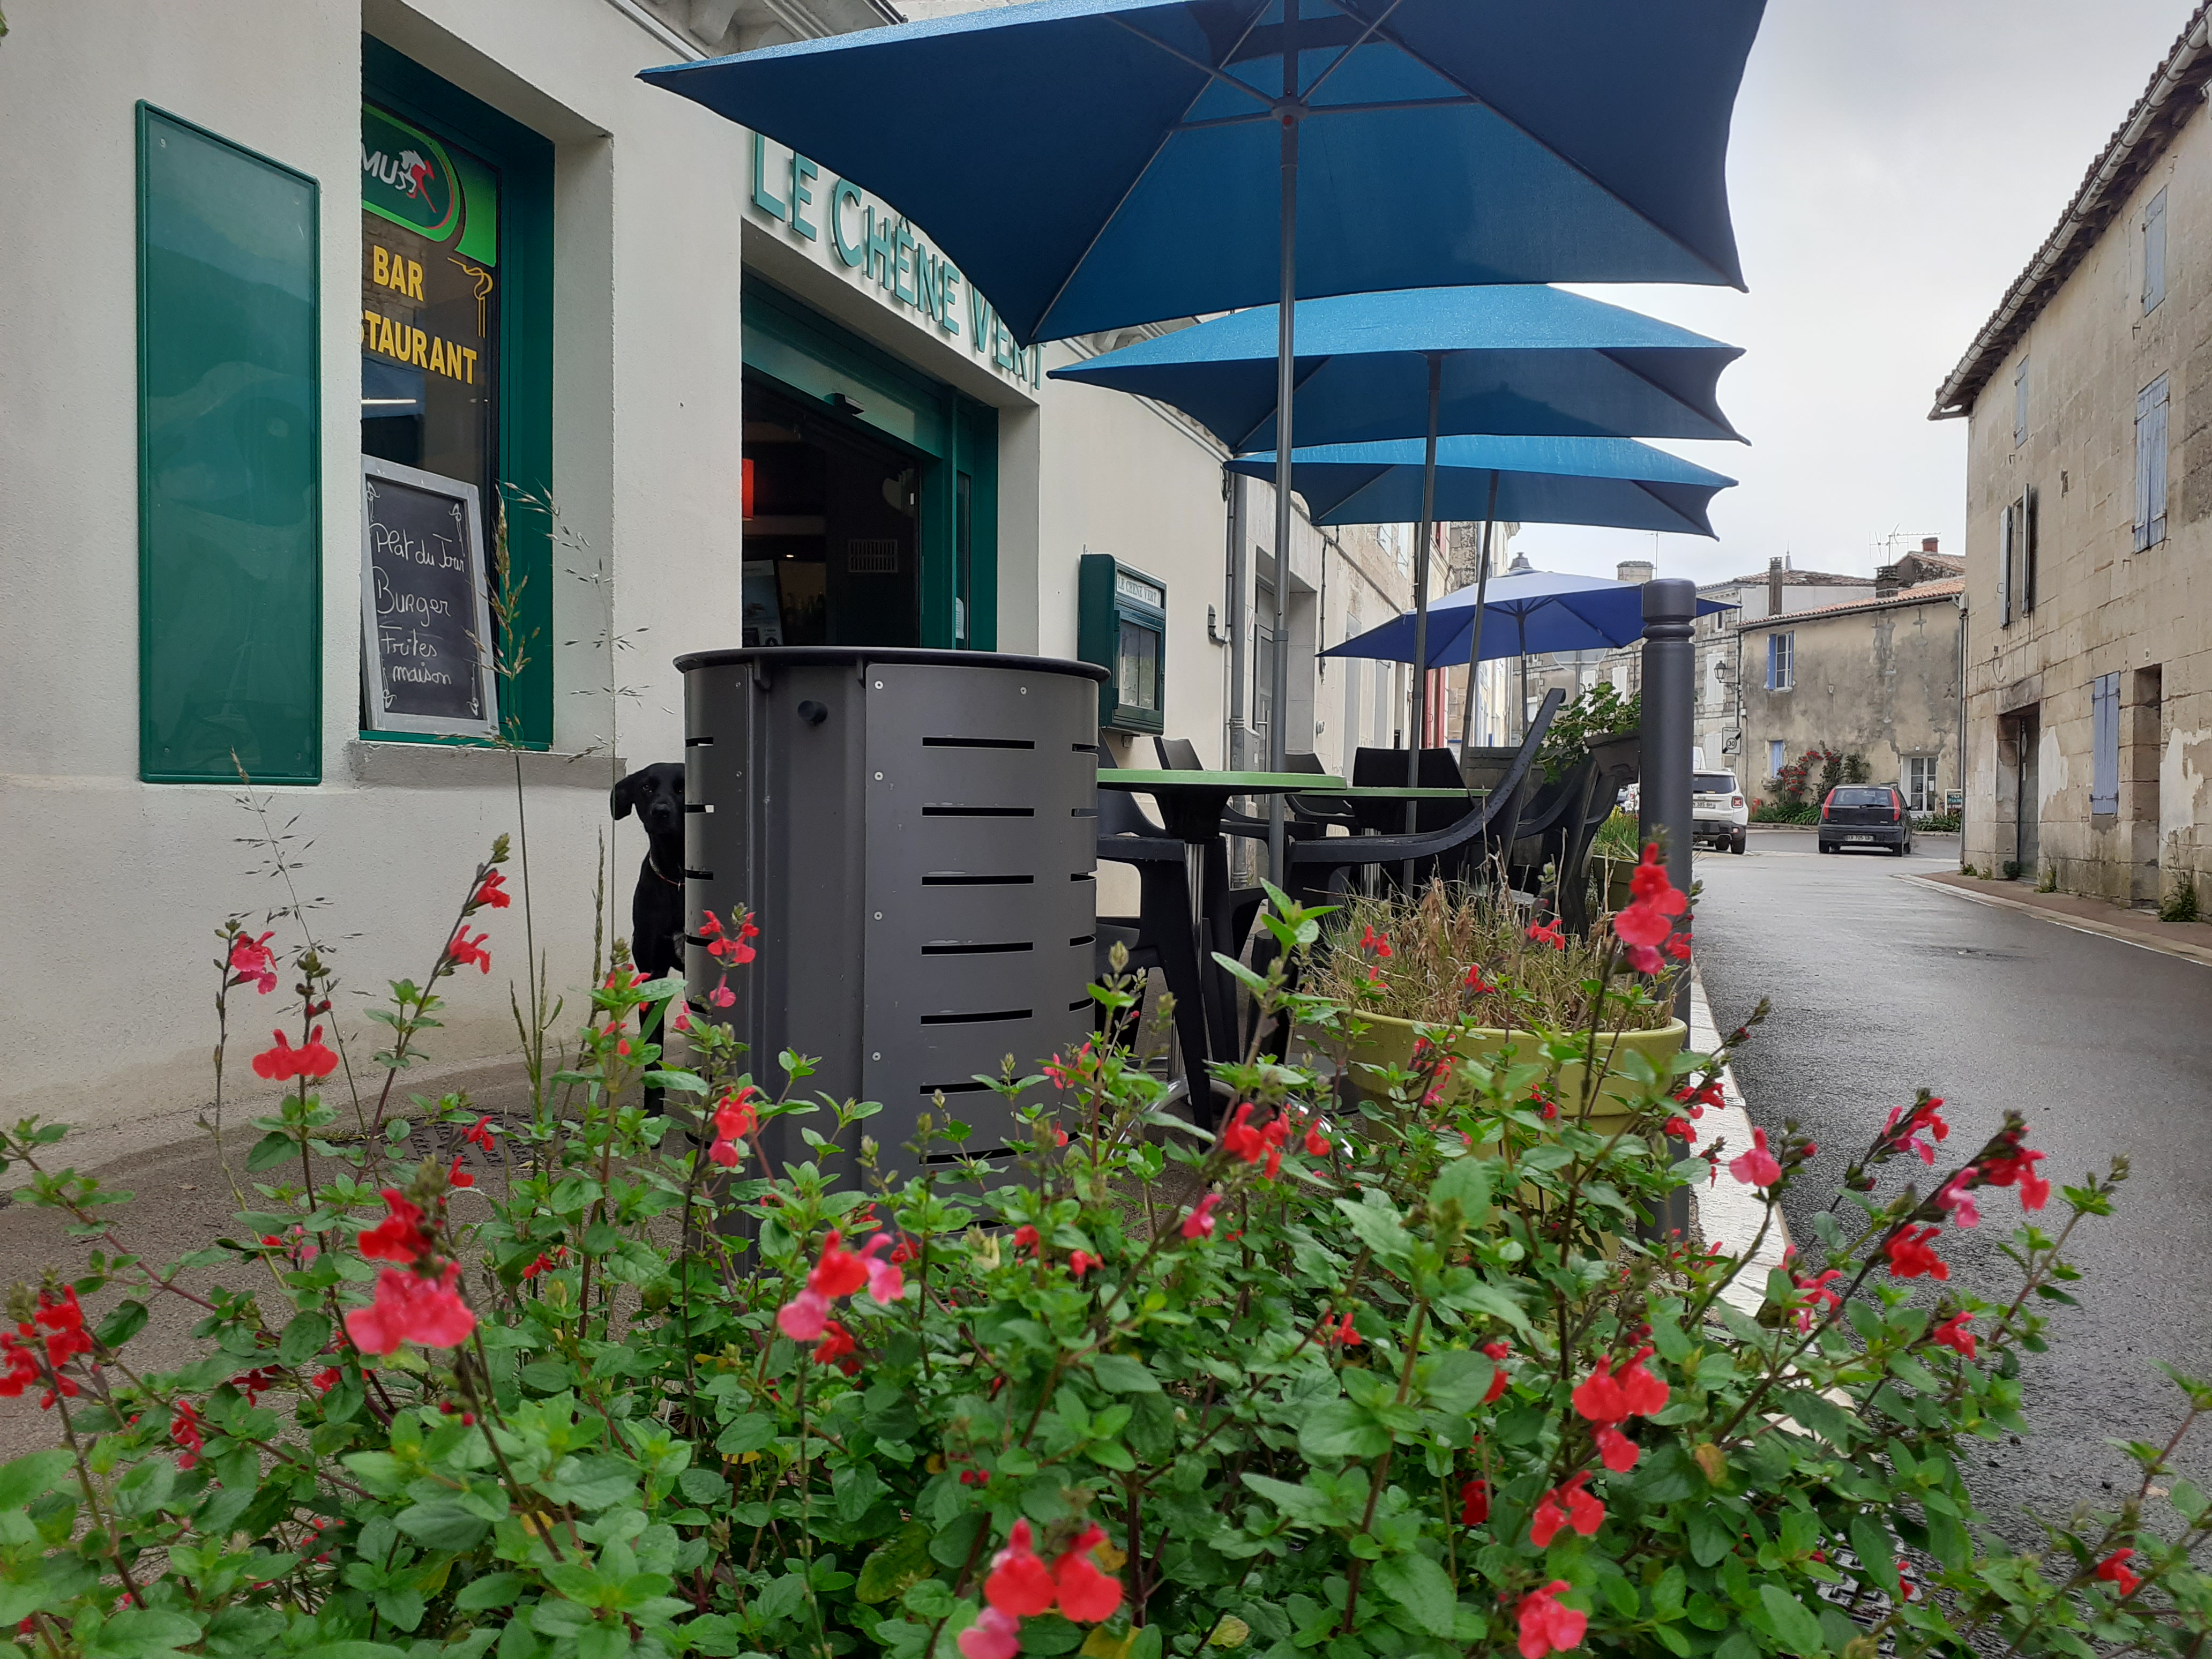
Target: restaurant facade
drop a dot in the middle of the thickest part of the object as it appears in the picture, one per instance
(390, 392)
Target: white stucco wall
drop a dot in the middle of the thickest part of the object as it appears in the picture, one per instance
(112, 886)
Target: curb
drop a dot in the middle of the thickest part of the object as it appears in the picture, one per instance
(1733, 1212)
(2175, 948)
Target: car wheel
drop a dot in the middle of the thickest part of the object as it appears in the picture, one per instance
(1735, 845)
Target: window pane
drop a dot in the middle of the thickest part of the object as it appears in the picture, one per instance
(1137, 679)
(230, 603)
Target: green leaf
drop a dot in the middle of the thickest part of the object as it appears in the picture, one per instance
(1467, 1180)
(748, 1433)
(494, 1589)
(896, 1565)
(1377, 1225)
(443, 1525)
(1712, 1534)
(120, 1326)
(1121, 1373)
(144, 1633)
(31, 1477)
(1418, 1585)
(1456, 1381)
(303, 1339)
(1823, 1417)
(1797, 1630)
(1666, 1475)
(1340, 1428)
(272, 1149)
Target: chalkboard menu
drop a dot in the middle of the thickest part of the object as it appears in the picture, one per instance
(426, 627)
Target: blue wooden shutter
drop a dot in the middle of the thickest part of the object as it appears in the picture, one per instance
(2005, 532)
(2104, 743)
(2154, 229)
(2150, 465)
(1770, 642)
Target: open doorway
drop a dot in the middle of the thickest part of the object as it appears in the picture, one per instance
(832, 552)
(2018, 738)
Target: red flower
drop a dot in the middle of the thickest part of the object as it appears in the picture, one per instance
(395, 1238)
(411, 1308)
(1644, 1393)
(23, 1359)
(1547, 1626)
(283, 1062)
(1340, 1333)
(1954, 1196)
(184, 1430)
(1616, 1450)
(326, 1379)
(1954, 1334)
(1086, 1595)
(1599, 1398)
(835, 1343)
(1566, 1505)
(1081, 1262)
(1679, 1128)
(1756, 1167)
(1497, 1351)
(459, 1177)
(1548, 934)
(994, 1635)
(1378, 943)
(1474, 1503)
(722, 997)
(1020, 1584)
(481, 1134)
(1199, 1223)
(840, 1271)
(2113, 1570)
(1910, 1257)
(1818, 1297)
(493, 892)
(1316, 1144)
(252, 959)
(1025, 1237)
(463, 950)
(1477, 984)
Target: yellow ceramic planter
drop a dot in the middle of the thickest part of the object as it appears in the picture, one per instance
(1389, 1042)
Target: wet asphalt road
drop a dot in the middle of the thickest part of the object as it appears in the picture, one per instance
(1881, 986)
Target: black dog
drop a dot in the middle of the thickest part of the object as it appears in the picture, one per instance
(656, 908)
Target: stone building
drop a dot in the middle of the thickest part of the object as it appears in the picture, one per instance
(1875, 677)
(2089, 488)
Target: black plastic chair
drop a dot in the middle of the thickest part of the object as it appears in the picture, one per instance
(1176, 754)
(1159, 934)
(1318, 868)
(1552, 813)
(1616, 761)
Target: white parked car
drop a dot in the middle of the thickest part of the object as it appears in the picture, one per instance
(1719, 813)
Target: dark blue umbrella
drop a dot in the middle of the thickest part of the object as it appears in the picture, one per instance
(1611, 482)
(1528, 361)
(1090, 164)
(1549, 610)
(1608, 482)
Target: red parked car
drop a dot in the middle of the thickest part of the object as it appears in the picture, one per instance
(1865, 814)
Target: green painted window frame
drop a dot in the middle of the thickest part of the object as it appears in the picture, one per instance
(525, 159)
(807, 357)
(161, 566)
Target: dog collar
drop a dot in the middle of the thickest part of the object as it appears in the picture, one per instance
(657, 870)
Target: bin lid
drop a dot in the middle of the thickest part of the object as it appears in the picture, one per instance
(802, 656)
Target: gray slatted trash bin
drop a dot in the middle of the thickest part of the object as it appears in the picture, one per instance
(917, 833)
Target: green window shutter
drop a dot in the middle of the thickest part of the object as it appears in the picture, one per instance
(229, 465)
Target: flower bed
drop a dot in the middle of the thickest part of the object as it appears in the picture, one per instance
(1343, 1394)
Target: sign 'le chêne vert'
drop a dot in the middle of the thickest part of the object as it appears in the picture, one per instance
(886, 250)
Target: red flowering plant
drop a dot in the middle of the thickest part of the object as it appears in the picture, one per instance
(1415, 1374)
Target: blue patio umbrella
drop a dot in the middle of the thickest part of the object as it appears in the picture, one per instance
(1607, 482)
(1525, 359)
(1548, 610)
(1090, 164)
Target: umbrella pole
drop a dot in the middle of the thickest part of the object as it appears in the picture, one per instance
(1286, 369)
(1418, 724)
(1471, 705)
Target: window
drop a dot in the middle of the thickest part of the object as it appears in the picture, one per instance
(1781, 661)
(456, 332)
(2020, 404)
(1920, 782)
(2150, 465)
(2153, 239)
(2104, 743)
(1775, 758)
(229, 485)
(2016, 567)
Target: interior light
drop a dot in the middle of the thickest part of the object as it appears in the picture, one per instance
(386, 402)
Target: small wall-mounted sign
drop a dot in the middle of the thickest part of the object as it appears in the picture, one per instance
(425, 618)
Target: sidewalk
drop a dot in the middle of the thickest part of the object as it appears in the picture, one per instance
(2190, 940)
(1728, 1213)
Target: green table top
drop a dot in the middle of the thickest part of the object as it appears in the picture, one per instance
(1237, 783)
(1398, 792)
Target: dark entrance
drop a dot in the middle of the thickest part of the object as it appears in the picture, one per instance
(832, 552)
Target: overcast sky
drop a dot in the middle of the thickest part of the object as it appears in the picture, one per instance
(1895, 164)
